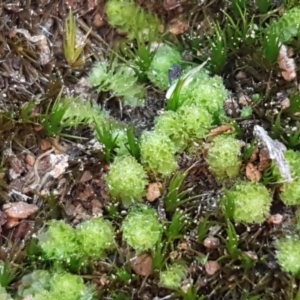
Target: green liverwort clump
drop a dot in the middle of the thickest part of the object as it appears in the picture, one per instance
(119, 79)
(141, 228)
(165, 57)
(69, 287)
(287, 27)
(128, 17)
(126, 180)
(59, 242)
(172, 277)
(158, 153)
(169, 124)
(290, 194)
(288, 254)
(247, 202)
(224, 157)
(96, 236)
(205, 92)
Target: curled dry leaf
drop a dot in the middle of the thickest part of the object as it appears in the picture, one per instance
(19, 210)
(275, 219)
(142, 265)
(153, 191)
(211, 267)
(221, 129)
(11, 223)
(286, 64)
(252, 173)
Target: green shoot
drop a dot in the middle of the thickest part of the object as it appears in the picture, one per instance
(26, 111)
(263, 5)
(133, 145)
(232, 241)
(106, 137)
(175, 229)
(238, 6)
(73, 51)
(218, 46)
(7, 274)
(159, 256)
(52, 121)
(203, 228)
(173, 94)
(249, 151)
(270, 44)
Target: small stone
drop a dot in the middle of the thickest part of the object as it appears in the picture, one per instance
(211, 242)
(98, 21)
(275, 219)
(252, 255)
(285, 103)
(211, 267)
(86, 176)
(241, 75)
(30, 159)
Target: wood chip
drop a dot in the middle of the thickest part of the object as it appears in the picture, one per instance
(220, 130)
(19, 210)
(252, 173)
(153, 191)
(142, 265)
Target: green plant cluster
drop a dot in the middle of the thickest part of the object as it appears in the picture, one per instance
(42, 285)
(120, 79)
(90, 240)
(290, 192)
(164, 58)
(173, 276)
(142, 228)
(4, 295)
(127, 17)
(288, 254)
(287, 27)
(247, 202)
(224, 158)
(126, 180)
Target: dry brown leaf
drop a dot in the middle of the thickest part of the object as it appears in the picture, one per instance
(275, 219)
(254, 156)
(86, 176)
(286, 64)
(178, 27)
(142, 265)
(153, 191)
(211, 267)
(221, 129)
(11, 223)
(45, 145)
(19, 210)
(252, 173)
(30, 159)
(264, 160)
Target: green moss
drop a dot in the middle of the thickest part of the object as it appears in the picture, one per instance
(288, 254)
(158, 153)
(126, 180)
(250, 202)
(96, 236)
(59, 242)
(141, 228)
(173, 276)
(223, 157)
(165, 57)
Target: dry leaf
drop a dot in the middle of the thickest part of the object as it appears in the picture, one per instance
(286, 64)
(142, 265)
(153, 191)
(45, 145)
(264, 160)
(11, 223)
(178, 27)
(86, 176)
(252, 173)
(211, 267)
(275, 219)
(221, 129)
(19, 210)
